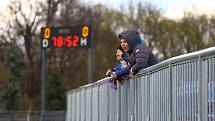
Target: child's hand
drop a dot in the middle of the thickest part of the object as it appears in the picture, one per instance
(124, 63)
(108, 73)
(114, 77)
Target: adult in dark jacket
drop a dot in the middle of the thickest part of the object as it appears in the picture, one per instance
(139, 56)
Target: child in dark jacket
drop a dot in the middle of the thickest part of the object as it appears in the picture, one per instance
(122, 63)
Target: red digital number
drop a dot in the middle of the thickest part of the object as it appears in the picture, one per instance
(75, 41)
(55, 41)
(58, 41)
(68, 41)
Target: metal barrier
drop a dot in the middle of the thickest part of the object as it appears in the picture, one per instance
(31, 116)
(178, 89)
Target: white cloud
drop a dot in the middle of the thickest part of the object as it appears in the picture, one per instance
(174, 9)
(195, 6)
(4, 4)
(205, 6)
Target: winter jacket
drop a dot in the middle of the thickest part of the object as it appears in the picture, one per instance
(118, 68)
(139, 56)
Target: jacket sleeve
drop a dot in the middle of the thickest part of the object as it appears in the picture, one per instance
(141, 59)
(123, 72)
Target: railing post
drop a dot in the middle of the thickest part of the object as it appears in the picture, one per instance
(85, 105)
(135, 98)
(79, 104)
(69, 109)
(203, 98)
(170, 92)
(98, 99)
(108, 102)
(173, 93)
(132, 97)
(91, 104)
(119, 102)
(149, 96)
(75, 104)
(126, 101)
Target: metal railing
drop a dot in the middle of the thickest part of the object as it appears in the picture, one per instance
(178, 89)
(31, 116)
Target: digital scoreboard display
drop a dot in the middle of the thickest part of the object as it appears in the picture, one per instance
(59, 37)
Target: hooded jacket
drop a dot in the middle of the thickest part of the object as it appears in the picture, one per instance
(139, 56)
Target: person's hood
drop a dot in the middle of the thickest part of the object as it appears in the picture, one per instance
(131, 37)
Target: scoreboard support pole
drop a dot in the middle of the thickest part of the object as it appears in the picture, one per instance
(43, 84)
(90, 58)
(90, 73)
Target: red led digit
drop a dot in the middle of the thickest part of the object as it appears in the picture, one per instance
(68, 41)
(60, 41)
(75, 41)
(55, 41)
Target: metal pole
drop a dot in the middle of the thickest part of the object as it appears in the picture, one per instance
(203, 94)
(90, 65)
(43, 64)
(90, 58)
(171, 93)
(43, 68)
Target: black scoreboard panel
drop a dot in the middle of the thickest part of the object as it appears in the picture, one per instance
(66, 36)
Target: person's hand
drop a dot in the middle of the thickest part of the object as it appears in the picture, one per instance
(114, 77)
(131, 72)
(108, 73)
(120, 80)
(124, 63)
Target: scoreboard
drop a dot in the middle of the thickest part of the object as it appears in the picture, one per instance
(59, 37)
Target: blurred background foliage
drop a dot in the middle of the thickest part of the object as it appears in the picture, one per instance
(67, 67)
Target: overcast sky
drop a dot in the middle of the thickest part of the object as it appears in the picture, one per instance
(173, 8)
